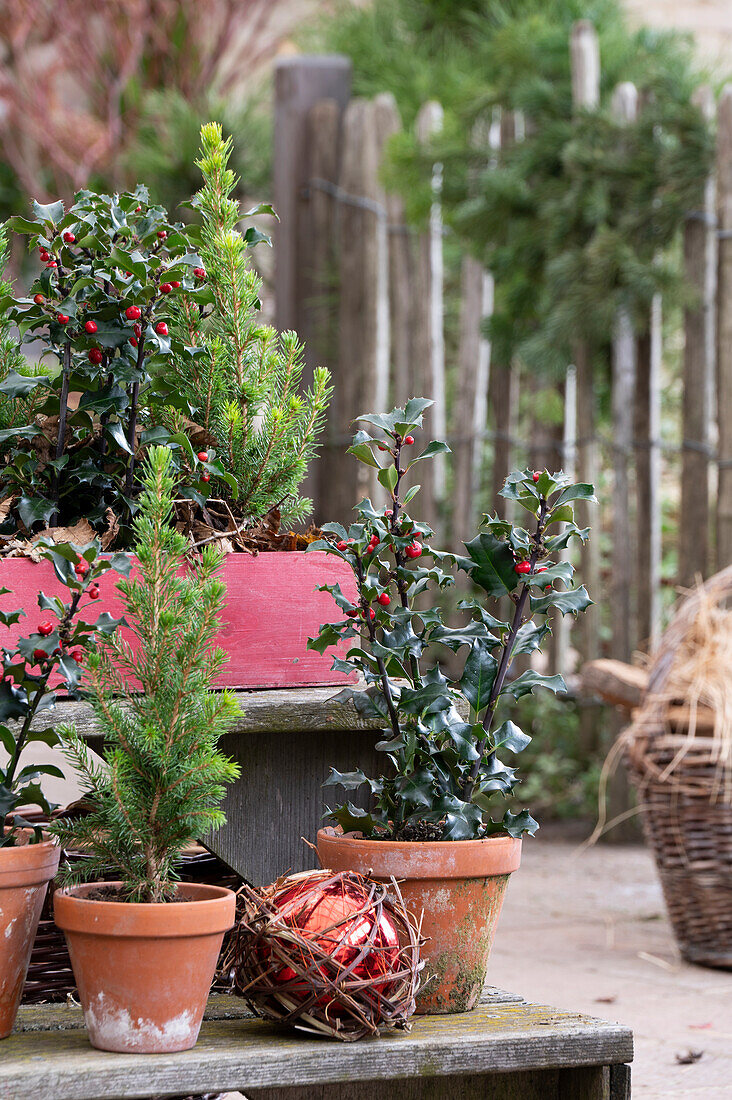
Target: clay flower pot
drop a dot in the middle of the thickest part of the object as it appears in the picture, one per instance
(459, 888)
(25, 872)
(144, 971)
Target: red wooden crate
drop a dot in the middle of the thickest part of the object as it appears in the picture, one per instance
(272, 608)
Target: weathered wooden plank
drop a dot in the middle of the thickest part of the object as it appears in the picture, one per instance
(724, 326)
(221, 1006)
(615, 682)
(251, 1054)
(287, 710)
(541, 1085)
(584, 51)
(700, 270)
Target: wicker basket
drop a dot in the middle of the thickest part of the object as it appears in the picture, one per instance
(687, 822)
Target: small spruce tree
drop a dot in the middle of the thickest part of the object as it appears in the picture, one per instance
(245, 390)
(164, 777)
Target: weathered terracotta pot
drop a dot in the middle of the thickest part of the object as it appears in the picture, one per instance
(458, 886)
(25, 872)
(144, 971)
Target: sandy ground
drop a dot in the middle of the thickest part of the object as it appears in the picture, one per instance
(588, 932)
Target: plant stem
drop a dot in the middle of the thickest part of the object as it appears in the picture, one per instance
(399, 556)
(505, 661)
(61, 436)
(385, 684)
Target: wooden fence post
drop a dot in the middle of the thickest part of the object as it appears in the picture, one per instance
(624, 107)
(700, 270)
(299, 83)
(503, 386)
(323, 130)
(427, 321)
(361, 311)
(585, 65)
(724, 326)
(401, 265)
(470, 406)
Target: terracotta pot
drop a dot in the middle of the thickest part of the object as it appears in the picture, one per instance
(458, 886)
(144, 971)
(272, 607)
(25, 872)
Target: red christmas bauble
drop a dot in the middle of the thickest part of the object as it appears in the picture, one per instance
(338, 921)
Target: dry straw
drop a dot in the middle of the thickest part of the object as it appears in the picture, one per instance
(306, 980)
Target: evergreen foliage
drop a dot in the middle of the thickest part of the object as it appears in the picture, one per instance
(164, 777)
(576, 219)
(245, 389)
(445, 747)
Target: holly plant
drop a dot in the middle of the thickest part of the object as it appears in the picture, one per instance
(112, 269)
(58, 646)
(447, 757)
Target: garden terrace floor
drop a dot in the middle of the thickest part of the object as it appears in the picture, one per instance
(588, 932)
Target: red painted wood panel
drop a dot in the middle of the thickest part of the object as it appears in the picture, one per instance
(272, 608)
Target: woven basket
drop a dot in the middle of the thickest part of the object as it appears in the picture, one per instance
(686, 820)
(50, 977)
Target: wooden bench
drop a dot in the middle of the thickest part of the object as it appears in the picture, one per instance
(504, 1050)
(286, 742)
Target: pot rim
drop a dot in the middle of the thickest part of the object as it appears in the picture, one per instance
(29, 864)
(211, 912)
(493, 855)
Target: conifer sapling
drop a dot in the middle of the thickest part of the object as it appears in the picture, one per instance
(164, 777)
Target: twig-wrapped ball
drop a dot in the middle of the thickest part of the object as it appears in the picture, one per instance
(327, 953)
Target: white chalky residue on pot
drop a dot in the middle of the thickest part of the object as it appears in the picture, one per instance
(116, 1026)
(439, 900)
(9, 930)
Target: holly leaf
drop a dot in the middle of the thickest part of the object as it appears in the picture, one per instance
(568, 603)
(491, 564)
(353, 819)
(52, 212)
(530, 636)
(479, 674)
(527, 681)
(350, 781)
(509, 736)
(13, 701)
(575, 492)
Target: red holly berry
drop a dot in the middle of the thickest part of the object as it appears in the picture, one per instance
(93, 592)
(90, 327)
(38, 299)
(522, 567)
(69, 237)
(162, 330)
(175, 285)
(82, 567)
(413, 550)
(128, 274)
(137, 329)
(44, 256)
(133, 313)
(165, 288)
(45, 628)
(352, 613)
(541, 569)
(52, 263)
(536, 475)
(62, 318)
(162, 234)
(388, 512)
(341, 545)
(77, 654)
(95, 355)
(384, 600)
(138, 209)
(382, 447)
(205, 477)
(408, 440)
(134, 341)
(199, 272)
(40, 655)
(202, 456)
(371, 614)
